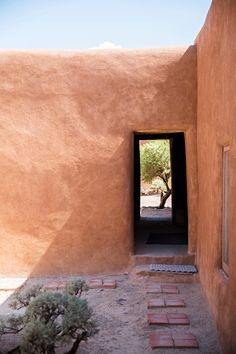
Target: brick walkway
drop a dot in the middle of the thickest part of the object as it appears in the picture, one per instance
(168, 339)
(138, 314)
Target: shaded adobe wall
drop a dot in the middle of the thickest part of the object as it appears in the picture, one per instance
(216, 49)
(66, 125)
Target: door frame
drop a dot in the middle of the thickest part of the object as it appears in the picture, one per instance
(177, 138)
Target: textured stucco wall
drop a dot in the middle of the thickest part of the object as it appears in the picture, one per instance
(216, 56)
(66, 125)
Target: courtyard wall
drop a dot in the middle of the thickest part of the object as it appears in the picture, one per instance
(66, 152)
(216, 128)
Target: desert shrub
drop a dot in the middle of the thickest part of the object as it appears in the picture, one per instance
(155, 164)
(50, 319)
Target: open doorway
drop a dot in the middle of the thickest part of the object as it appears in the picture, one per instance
(155, 179)
(160, 191)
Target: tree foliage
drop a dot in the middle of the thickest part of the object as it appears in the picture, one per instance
(155, 162)
(50, 318)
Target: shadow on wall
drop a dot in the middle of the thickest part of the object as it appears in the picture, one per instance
(86, 246)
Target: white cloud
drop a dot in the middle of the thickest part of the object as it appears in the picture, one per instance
(107, 45)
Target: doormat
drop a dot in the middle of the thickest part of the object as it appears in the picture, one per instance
(176, 268)
(168, 238)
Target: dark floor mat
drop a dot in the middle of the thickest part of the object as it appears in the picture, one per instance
(168, 238)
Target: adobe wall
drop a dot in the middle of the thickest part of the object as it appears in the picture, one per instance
(216, 127)
(66, 152)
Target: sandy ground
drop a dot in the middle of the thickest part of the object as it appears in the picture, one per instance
(148, 207)
(153, 201)
(153, 213)
(121, 315)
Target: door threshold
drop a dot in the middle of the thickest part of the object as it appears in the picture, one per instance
(160, 250)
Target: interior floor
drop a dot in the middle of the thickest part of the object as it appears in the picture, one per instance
(147, 226)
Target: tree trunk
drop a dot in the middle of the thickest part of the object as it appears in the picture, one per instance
(51, 349)
(76, 343)
(164, 198)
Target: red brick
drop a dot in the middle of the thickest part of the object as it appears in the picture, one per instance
(170, 286)
(109, 284)
(153, 289)
(156, 318)
(95, 284)
(62, 284)
(176, 315)
(185, 343)
(53, 285)
(160, 340)
(174, 303)
(178, 318)
(169, 289)
(153, 303)
(183, 336)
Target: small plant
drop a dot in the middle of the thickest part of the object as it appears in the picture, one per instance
(50, 319)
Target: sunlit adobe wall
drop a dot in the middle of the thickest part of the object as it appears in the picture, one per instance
(216, 128)
(66, 152)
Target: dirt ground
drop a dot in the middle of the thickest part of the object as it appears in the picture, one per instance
(148, 207)
(121, 315)
(150, 212)
(153, 200)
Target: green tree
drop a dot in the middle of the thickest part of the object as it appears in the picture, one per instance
(155, 162)
(49, 319)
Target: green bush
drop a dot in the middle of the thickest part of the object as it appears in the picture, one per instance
(50, 319)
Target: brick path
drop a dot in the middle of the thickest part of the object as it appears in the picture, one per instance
(140, 315)
(167, 339)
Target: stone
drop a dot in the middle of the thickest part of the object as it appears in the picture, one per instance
(95, 284)
(169, 289)
(160, 340)
(154, 289)
(52, 285)
(156, 318)
(178, 318)
(174, 303)
(109, 284)
(155, 303)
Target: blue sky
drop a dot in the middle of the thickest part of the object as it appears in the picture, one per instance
(81, 24)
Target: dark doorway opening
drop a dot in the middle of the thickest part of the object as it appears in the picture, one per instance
(152, 225)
